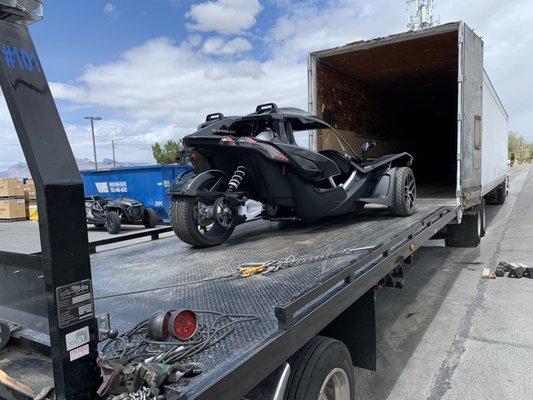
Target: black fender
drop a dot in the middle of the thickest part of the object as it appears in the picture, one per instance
(188, 183)
(383, 192)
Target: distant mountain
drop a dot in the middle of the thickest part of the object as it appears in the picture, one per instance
(20, 169)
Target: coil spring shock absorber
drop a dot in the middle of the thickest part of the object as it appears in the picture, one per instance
(237, 178)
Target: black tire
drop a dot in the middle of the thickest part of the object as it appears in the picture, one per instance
(5, 334)
(313, 363)
(99, 225)
(112, 222)
(404, 200)
(468, 232)
(150, 218)
(501, 193)
(182, 214)
(483, 216)
(498, 195)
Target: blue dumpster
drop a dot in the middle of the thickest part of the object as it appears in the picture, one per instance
(147, 184)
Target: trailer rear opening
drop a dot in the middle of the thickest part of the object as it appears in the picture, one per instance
(403, 95)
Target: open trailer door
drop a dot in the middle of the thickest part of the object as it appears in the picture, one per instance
(470, 114)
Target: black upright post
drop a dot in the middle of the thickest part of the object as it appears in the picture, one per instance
(62, 224)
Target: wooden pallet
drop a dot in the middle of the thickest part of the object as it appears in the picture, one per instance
(13, 219)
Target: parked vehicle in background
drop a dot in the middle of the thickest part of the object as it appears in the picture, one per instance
(111, 214)
(146, 183)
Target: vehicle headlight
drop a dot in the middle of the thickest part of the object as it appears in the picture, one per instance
(21, 11)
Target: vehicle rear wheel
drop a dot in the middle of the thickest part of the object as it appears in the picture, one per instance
(150, 218)
(404, 201)
(321, 370)
(195, 223)
(112, 222)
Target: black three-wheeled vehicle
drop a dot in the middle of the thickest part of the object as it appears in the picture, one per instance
(112, 213)
(251, 167)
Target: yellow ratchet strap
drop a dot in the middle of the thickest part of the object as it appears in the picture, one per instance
(248, 270)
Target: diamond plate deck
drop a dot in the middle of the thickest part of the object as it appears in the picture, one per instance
(133, 282)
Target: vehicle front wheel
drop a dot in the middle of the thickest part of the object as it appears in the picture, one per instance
(321, 370)
(193, 222)
(112, 222)
(404, 196)
(150, 218)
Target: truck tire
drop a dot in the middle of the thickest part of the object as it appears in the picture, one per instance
(404, 196)
(150, 218)
(498, 195)
(318, 369)
(483, 211)
(468, 232)
(112, 222)
(5, 334)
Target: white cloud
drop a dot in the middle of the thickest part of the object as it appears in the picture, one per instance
(110, 10)
(224, 16)
(219, 46)
(162, 89)
(161, 80)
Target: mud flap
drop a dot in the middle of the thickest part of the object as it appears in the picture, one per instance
(356, 328)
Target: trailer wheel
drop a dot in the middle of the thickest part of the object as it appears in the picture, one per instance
(322, 369)
(112, 222)
(483, 212)
(498, 195)
(5, 334)
(404, 201)
(468, 232)
(501, 193)
(150, 218)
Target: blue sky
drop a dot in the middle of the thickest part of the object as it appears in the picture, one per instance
(153, 69)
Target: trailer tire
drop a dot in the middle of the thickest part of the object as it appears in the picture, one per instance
(483, 211)
(317, 367)
(501, 193)
(5, 334)
(404, 197)
(468, 232)
(498, 195)
(150, 218)
(112, 222)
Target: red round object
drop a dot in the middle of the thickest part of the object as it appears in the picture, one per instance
(194, 157)
(183, 324)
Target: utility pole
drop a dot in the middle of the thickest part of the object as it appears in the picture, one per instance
(113, 146)
(94, 140)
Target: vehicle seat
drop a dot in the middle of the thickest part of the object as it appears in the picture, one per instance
(311, 165)
(340, 159)
(267, 136)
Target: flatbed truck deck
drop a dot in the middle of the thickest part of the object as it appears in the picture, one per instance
(292, 305)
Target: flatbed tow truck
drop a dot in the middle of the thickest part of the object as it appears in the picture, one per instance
(317, 305)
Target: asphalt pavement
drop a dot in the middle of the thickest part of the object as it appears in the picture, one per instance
(450, 334)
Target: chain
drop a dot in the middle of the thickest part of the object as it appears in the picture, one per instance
(291, 261)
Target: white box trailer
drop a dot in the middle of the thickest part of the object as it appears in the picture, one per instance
(424, 92)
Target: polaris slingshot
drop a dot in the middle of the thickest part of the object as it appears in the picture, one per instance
(251, 167)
